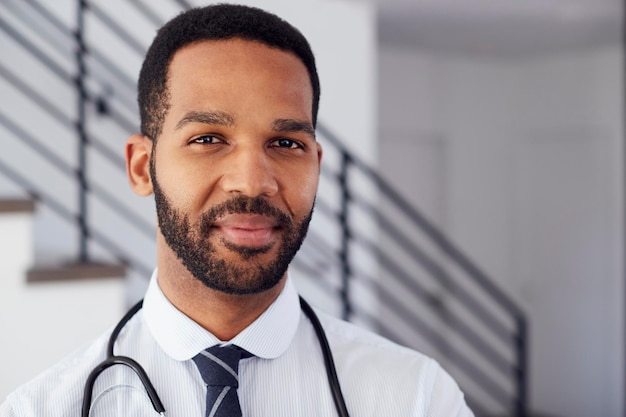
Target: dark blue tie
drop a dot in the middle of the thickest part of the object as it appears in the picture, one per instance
(218, 366)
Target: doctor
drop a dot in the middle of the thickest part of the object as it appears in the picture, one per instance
(228, 98)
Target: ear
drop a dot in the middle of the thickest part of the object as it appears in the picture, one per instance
(138, 152)
(319, 154)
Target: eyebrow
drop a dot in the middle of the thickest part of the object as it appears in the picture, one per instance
(293, 125)
(224, 119)
(207, 117)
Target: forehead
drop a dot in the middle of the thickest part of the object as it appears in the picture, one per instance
(236, 64)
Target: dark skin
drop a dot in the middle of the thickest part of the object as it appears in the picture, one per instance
(239, 123)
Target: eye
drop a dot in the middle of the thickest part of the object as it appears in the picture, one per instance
(206, 140)
(287, 144)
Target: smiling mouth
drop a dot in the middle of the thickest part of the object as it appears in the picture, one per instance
(246, 230)
(254, 238)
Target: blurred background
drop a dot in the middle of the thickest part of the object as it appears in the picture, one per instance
(471, 201)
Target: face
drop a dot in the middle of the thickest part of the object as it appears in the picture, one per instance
(236, 167)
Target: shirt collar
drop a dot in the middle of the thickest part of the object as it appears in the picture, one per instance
(181, 338)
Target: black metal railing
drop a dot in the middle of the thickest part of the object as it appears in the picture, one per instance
(511, 331)
(431, 294)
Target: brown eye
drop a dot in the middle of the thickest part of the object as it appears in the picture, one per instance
(287, 144)
(206, 140)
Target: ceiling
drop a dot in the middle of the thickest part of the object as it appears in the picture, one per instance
(500, 27)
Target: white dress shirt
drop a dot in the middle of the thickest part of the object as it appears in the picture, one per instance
(286, 377)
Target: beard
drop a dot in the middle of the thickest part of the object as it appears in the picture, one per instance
(192, 243)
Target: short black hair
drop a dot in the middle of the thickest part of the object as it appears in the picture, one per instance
(215, 22)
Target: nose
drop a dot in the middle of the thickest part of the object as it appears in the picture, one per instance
(249, 171)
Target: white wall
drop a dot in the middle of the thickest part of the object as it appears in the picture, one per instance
(42, 323)
(526, 156)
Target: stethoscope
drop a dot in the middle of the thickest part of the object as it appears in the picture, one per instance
(112, 359)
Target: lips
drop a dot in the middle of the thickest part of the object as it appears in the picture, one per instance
(250, 230)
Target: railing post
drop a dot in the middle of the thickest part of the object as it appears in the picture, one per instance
(522, 367)
(81, 172)
(344, 252)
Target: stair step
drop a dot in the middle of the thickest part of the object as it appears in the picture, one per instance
(75, 271)
(16, 205)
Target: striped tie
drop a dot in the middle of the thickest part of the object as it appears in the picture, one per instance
(218, 366)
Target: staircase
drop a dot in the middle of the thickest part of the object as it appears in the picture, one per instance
(370, 257)
(60, 312)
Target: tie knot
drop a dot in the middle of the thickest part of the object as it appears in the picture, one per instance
(219, 365)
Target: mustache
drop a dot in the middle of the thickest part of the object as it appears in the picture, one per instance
(244, 205)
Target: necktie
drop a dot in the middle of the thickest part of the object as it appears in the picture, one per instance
(218, 366)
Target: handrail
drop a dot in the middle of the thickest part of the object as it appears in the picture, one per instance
(454, 254)
(115, 28)
(53, 203)
(26, 44)
(60, 73)
(113, 203)
(346, 234)
(403, 312)
(68, 34)
(147, 12)
(53, 111)
(437, 237)
(454, 321)
(427, 263)
(40, 101)
(351, 240)
(81, 131)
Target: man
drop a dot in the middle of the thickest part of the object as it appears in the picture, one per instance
(228, 98)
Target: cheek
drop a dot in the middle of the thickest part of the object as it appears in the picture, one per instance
(186, 186)
(302, 194)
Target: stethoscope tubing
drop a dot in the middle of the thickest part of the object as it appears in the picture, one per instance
(331, 370)
(112, 360)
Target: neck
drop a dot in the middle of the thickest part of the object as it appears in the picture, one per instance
(224, 315)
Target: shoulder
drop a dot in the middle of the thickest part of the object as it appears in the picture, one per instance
(405, 379)
(59, 389)
(345, 335)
